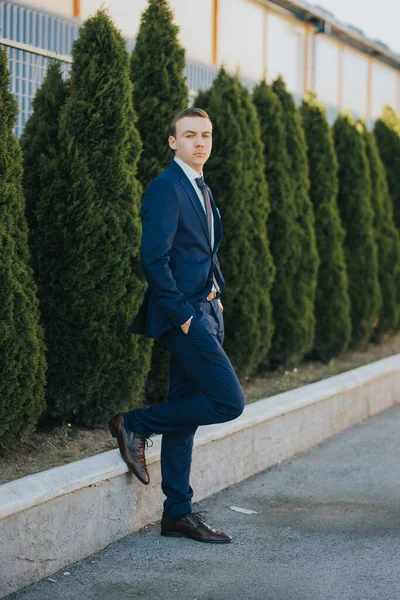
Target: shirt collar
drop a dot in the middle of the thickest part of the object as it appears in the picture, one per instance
(189, 172)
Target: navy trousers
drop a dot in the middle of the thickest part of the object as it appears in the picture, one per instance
(204, 389)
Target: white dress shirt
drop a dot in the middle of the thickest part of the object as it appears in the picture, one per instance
(191, 174)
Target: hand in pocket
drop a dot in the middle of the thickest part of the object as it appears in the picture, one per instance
(185, 327)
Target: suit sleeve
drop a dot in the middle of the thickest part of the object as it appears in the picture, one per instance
(159, 214)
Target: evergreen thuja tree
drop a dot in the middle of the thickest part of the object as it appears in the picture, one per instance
(159, 87)
(283, 232)
(387, 134)
(94, 286)
(259, 208)
(387, 239)
(39, 142)
(354, 201)
(159, 93)
(237, 181)
(332, 303)
(307, 259)
(22, 350)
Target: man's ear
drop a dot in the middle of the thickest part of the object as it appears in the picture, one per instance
(172, 142)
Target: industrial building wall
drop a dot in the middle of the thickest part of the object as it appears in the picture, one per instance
(247, 36)
(258, 40)
(385, 87)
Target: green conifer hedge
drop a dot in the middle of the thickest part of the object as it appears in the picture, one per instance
(94, 284)
(159, 87)
(332, 303)
(22, 350)
(354, 201)
(387, 239)
(259, 208)
(236, 177)
(39, 142)
(283, 232)
(387, 133)
(303, 245)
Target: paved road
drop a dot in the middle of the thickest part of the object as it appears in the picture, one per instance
(327, 527)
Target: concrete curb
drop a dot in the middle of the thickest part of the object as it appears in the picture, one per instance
(57, 517)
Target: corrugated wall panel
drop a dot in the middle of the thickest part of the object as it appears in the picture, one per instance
(47, 31)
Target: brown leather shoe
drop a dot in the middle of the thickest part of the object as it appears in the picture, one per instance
(131, 445)
(193, 526)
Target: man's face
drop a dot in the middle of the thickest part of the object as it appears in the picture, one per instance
(193, 141)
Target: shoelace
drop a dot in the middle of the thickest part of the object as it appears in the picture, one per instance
(146, 440)
(200, 517)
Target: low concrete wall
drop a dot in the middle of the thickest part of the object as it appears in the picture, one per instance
(57, 517)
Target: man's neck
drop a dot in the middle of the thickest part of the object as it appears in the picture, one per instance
(197, 168)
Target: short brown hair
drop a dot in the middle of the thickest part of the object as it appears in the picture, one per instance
(188, 112)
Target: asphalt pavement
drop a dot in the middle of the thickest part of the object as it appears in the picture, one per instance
(326, 526)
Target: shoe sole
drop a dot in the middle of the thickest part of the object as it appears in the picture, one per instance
(113, 432)
(189, 537)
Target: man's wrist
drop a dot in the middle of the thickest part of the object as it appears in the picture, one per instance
(188, 321)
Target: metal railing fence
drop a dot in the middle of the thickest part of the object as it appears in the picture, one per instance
(32, 37)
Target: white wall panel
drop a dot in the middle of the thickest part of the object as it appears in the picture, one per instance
(240, 39)
(384, 87)
(126, 15)
(89, 7)
(285, 51)
(195, 20)
(355, 81)
(326, 74)
(242, 43)
(63, 7)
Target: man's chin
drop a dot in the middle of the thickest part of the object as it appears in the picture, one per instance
(199, 160)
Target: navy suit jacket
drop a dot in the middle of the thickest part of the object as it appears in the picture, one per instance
(176, 255)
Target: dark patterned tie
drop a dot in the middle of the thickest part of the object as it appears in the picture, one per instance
(207, 203)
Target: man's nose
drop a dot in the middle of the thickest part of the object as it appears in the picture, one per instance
(199, 141)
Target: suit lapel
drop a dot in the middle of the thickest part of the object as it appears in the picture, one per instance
(196, 204)
(189, 189)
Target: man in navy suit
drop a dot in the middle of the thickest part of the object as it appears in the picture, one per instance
(181, 233)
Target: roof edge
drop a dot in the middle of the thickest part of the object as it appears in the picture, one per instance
(324, 21)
